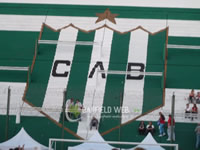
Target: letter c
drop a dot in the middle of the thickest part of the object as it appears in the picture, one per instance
(56, 63)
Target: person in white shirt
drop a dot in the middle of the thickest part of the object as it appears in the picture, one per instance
(150, 128)
(187, 111)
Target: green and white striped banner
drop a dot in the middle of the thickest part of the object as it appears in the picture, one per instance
(73, 62)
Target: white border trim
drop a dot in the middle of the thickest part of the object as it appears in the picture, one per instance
(137, 3)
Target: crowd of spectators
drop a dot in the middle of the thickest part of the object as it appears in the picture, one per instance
(161, 125)
(194, 97)
(191, 110)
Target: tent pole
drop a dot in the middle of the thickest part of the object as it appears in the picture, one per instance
(120, 119)
(7, 113)
(63, 116)
(172, 117)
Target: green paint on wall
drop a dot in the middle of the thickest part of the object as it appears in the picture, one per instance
(42, 69)
(115, 83)
(153, 90)
(90, 11)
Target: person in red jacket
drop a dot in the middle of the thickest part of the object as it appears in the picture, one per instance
(169, 129)
(194, 111)
(161, 123)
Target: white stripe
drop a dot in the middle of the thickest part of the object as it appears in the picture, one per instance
(133, 90)
(21, 22)
(95, 87)
(17, 106)
(136, 73)
(140, 3)
(56, 85)
(55, 42)
(86, 23)
(17, 90)
(183, 46)
(185, 28)
(14, 68)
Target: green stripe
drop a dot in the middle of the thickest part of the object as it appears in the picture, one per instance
(183, 40)
(183, 77)
(13, 76)
(153, 90)
(186, 57)
(90, 11)
(79, 71)
(79, 68)
(42, 69)
(18, 46)
(17, 49)
(115, 83)
(183, 64)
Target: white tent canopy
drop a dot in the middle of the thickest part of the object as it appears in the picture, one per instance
(104, 146)
(22, 138)
(149, 140)
(93, 146)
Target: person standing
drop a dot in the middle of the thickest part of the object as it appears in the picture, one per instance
(142, 128)
(197, 130)
(198, 98)
(161, 123)
(170, 128)
(191, 96)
